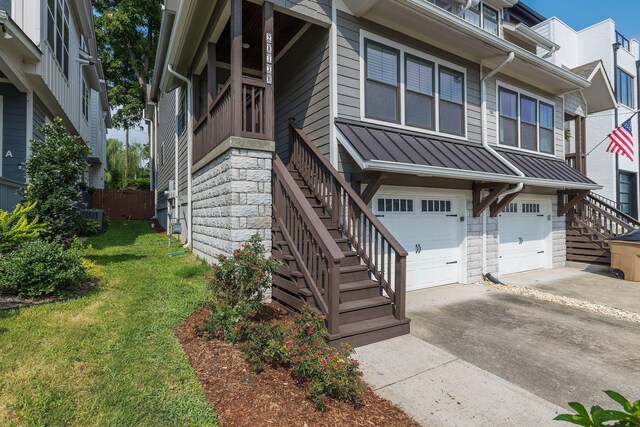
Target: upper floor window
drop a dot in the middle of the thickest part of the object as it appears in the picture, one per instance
(525, 122)
(490, 20)
(382, 86)
(624, 88)
(624, 42)
(426, 95)
(84, 44)
(58, 32)
(85, 100)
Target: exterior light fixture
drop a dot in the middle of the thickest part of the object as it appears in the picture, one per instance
(7, 35)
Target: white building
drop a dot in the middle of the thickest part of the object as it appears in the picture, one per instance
(48, 68)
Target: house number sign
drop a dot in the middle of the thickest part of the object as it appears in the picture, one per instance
(269, 58)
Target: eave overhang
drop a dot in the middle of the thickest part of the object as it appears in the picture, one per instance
(528, 35)
(434, 25)
(20, 43)
(600, 95)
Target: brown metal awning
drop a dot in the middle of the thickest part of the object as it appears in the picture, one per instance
(380, 148)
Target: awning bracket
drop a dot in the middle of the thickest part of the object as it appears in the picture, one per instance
(480, 203)
(497, 206)
(573, 198)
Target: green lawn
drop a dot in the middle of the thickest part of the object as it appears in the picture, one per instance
(110, 357)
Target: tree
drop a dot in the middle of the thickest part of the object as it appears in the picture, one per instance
(127, 36)
(55, 169)
(138, 161)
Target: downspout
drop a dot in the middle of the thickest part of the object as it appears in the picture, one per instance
(494, 153)
(550, 53)
(465, 8)
(189, 147)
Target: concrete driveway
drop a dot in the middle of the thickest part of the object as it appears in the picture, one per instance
(555, 352)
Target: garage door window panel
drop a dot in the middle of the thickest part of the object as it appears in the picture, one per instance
(395, 205)
(436, 206)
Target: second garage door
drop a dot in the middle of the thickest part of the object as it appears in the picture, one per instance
(523, 229)
(431, 229)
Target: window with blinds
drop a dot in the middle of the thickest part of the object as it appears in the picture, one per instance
(451, 101)
(419, 102)
(382, 82)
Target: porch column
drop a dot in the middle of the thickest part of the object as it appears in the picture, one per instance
(212, 87)
(267, 68)
(578, 143)
(236, 67)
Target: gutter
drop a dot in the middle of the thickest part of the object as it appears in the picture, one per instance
(189, 149)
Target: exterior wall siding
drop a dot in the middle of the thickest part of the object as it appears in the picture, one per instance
(232, 202)
(302, 91)
(166, 145)
(40, 116)
(319, 10)
(14, 132)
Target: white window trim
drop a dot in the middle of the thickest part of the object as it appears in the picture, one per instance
(538, 98)
(436, 92)
(1, 133)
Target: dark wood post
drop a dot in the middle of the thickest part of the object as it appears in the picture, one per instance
(267, 69)
(212, 87)
(401, 285)
(578, 143)
(583, 142)
(236, 67)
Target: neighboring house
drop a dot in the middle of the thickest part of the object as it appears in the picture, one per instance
(48, 68)
(609, 60)
(417, 143)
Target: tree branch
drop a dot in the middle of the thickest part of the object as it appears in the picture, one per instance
(134, 63)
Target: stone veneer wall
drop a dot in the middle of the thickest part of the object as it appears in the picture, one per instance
(474, 245)
(558, 237)
(232, 202)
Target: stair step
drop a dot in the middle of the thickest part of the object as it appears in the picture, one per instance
(372, 330)
(364, 309)
(353, 273)
(360, 304)
(362, 289)
(360, 284)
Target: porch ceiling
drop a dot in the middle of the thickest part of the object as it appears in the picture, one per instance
(429, 23)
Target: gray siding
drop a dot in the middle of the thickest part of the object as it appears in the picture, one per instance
(319, 10)
(14, 132)
(574, 104)
(166, 139)
(40, 115)
(9, 194)
(302, 90)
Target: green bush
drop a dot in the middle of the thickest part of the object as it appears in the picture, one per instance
(40, 268)
(87, 227)
(16, 229)
(240, 281)
(599, 417)
(55, 169)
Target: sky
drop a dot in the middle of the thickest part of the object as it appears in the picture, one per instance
(580, 14)
(135, 135)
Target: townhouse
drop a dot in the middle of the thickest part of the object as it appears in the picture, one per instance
(48, 68)
(377, 146)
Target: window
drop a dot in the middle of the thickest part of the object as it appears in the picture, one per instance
(627, 193)
(451, 101)
(436, 206)
(490, 20)
(382, 84)
(624, 42)
(395, 205)
(508, 106)
(452, 6)
(528, 123)
(428, 94)
(58, 32)
(472, 15)
(624, 88)
(85, 100)
(181, 118)
(510, 208)
(546, 128)
(419, 101)
(531, 208)
(525, 122)
(84, 45)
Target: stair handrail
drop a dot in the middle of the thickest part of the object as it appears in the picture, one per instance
(328, 302)
(345, 204)
(611, 205)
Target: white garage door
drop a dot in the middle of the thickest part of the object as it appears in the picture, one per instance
(522, 227)
(430, 229)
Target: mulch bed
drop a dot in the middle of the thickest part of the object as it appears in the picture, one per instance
(241, 397)
(10, 302)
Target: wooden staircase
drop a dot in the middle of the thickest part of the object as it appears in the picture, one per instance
(328, 262)
(590, 224)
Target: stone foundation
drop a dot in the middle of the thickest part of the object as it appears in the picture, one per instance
(232, 200)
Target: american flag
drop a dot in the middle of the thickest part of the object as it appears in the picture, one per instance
(622, 140)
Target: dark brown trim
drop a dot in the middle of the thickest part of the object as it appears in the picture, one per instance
(479, 203)
(573, 198)
(497, 206)
(236, 67)
(267, 70)
(372, 188)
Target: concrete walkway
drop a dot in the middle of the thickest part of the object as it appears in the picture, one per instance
(439, 389)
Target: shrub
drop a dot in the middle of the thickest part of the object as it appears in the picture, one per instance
(240, 281)
(16, 229)
(41, 268)
(87, 227)
(599, 417)
(55, 169)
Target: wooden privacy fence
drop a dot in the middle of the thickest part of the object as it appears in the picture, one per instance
(124, 204)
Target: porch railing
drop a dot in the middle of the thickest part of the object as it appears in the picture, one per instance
(604, 218)
(216, 125)
(572, 161)
(314, 250)
(374, 244)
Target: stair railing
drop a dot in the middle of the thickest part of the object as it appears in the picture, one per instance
(375, 245)
(315, 251)
(603, 217)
